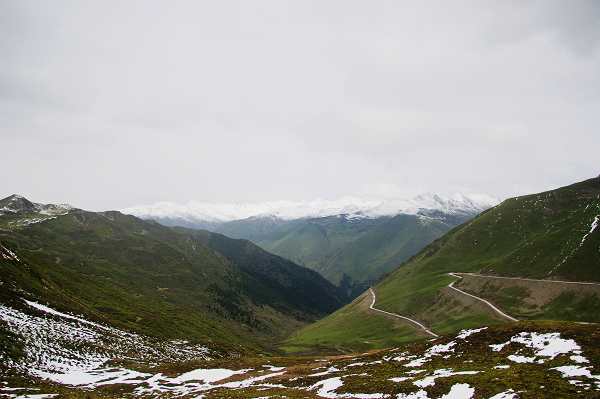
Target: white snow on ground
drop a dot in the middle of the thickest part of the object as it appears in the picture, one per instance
(197, 381)
(50, 354)
(547, 346)
(594, 224)
(441, 348)
(23, 222)
(94, 378)
(328, 371)
(579, 359)
(252, 381)
(54, 312)
(459, 391)
(207, 375)
(416, 395)
(576, 371)
(417, 362)
(467, 333)
(71, 350)
(510, 394)
(400, 379)
(521, 359)
(273, 368)
(355, 364)
(592, 228)
(8, 254)
(327, 388)
(499, 347)
(435, 350)
(441, 373)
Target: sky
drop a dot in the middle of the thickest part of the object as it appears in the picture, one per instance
(111, 104)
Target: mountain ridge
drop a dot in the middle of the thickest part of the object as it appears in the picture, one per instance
(155, 280)
(350, 207)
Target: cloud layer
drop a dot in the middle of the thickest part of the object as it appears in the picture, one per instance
(112, 104)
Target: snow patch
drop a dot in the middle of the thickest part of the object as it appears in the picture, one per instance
(467, 333)
(459, 391)
(8, 254)
(71, 350)
(435, 350)
(441, 373)
(576, 371)
(521, 359)
(547, 346)
(328, 371)
(592, 228)
(510, 394)
(327, 388)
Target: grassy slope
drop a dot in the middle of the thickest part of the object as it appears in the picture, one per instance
(535, 236)
(362, 250)
(343, 331)
(385, 246)
(151, 279)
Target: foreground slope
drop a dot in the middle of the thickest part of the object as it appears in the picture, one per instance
(546, 236)
(154, 280)
(519, 360)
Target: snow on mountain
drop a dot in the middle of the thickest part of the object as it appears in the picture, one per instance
(351, 207)
(17, 204)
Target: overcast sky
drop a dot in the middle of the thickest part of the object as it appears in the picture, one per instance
(109, 104)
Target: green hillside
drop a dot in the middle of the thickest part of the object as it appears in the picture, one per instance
(548, 235)
(350, 252)
(153, 279)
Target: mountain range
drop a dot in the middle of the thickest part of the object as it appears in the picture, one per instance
(104, 304)
(202, 214)
(165, 282)
(352, 242)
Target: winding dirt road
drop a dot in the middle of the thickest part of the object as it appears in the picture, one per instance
(494, 308)
(421, 326)
(459, 277)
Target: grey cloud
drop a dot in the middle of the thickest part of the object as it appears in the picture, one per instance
(110, 104)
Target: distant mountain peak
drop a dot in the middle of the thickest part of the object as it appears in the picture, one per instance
(16, 203)
(348, 207)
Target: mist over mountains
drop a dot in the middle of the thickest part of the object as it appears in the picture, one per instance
(203, 214)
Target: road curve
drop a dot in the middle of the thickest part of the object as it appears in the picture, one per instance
(421, 326)
(494, 308)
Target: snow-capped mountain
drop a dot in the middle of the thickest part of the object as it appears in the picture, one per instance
(201, 212)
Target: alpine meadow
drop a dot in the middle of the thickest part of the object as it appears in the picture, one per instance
(299, 199)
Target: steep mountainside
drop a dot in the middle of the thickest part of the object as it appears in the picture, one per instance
(548, 236)
(155, 280)
(348, 250)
